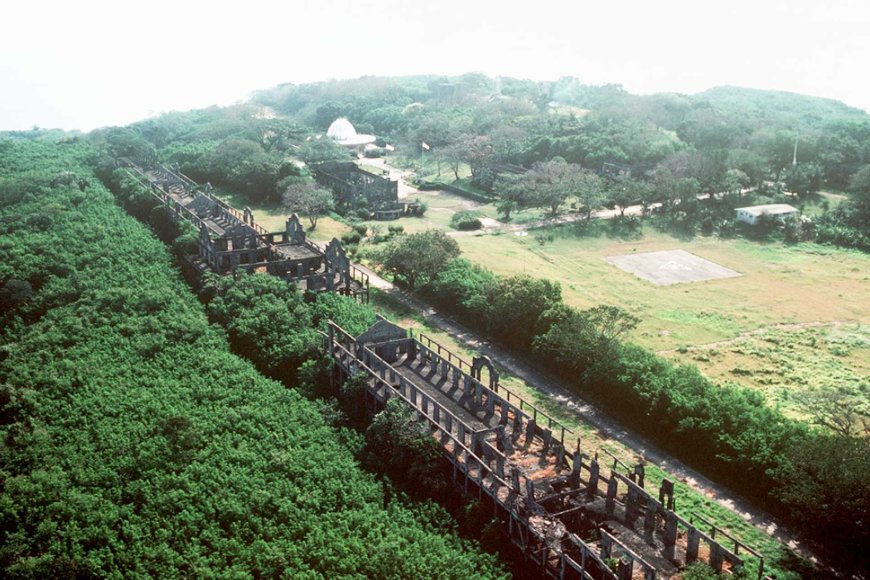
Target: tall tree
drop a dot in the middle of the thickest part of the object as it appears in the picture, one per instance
(301, 195)
(419, 257)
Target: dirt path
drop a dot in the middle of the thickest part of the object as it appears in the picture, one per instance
(589, 414)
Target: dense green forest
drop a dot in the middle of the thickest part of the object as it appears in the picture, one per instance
(136, 444)
(613, 148)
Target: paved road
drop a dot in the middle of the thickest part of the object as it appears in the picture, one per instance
(589, 414)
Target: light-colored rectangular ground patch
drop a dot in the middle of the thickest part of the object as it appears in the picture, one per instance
(670, 267)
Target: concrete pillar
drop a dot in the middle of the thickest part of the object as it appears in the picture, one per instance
(594, 470)
(606, 547)
(631, 506)
(499, 465)
(530, 432)
(506, 443)
(530, 489)
(548, 440)
(515, 479)
(610, 501)
(436, 414)
(716, 556)
(560, 457)
(624, 569)
(517, 426)
(670, 539)
(503, 420)
(576, 466)
(649, 521)
(490, 404)
(692, 543)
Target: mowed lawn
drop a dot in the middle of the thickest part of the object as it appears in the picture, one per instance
(793, 285)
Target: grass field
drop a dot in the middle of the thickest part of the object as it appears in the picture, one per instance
(273, 217)
(779, 561)
(780, 285)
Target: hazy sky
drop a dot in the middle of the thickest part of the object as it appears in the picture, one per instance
(81, 64)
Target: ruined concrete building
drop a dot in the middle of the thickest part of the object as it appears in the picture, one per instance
(230, 240)
(355, 187)
(572, 515)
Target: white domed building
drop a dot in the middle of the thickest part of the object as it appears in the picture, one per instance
(342, 132)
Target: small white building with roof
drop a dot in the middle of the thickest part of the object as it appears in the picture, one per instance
(778, 211)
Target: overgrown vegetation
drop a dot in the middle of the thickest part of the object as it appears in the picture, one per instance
(136, 444)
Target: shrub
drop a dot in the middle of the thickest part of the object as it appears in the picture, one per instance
(466, 220)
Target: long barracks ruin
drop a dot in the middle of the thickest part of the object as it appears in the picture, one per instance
(230, 240)
(569, 517)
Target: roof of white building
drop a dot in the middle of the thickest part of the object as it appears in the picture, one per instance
(769, 209)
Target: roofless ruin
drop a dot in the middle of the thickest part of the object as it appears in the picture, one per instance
(230, 240)
(569, 514)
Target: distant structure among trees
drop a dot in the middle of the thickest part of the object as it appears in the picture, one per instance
(343, 132)
(778, 211)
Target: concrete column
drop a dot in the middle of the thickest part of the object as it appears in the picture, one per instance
(436, 414)
(670, 539)
(631, 506)
(515, 479)
(517, 426)
(548, 439)
(716, 556)
(624, 569)
(560, 457)
(490, 403)
(530, 489)
(610, 501)
(606, 547)
(503, 420)
(649, 520)
(530, 432)
(506, 443)
(692, 543)
(576, 466)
